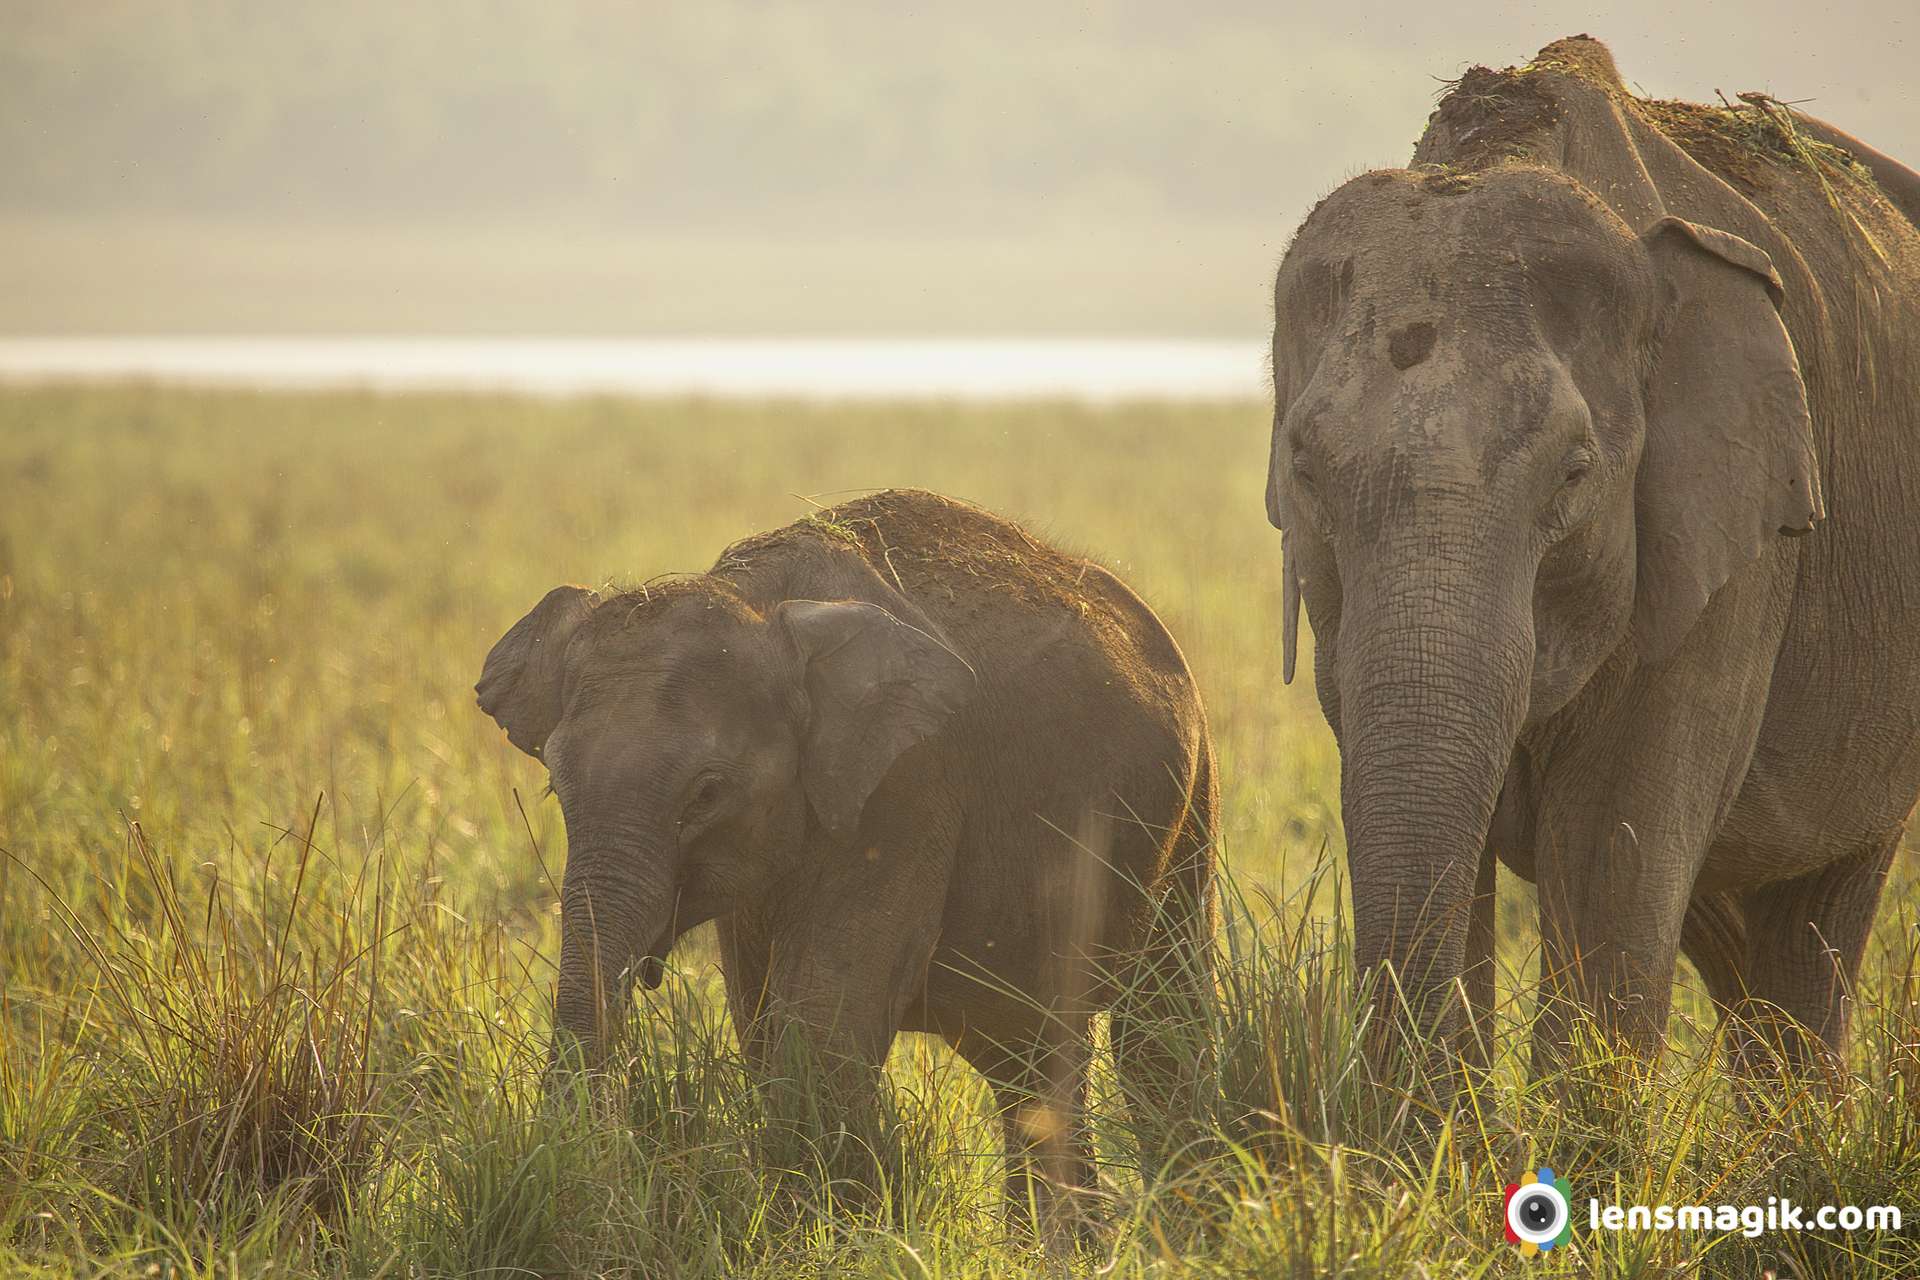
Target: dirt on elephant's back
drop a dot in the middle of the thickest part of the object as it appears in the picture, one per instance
(1750, 144)
(1489, 116)
(926, 543)
(969, 569)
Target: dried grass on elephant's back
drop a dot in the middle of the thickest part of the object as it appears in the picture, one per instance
(1748, 145)
(1487, 116)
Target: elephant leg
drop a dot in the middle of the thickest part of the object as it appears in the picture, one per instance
(1163, 1011)
(745, 955)
(1039, 1082)
(1162, 1032)
(1714, 938)
(1804, 944)
(1595, 969)
(1614, 892)
(844, 955)
(805, 1053)
(1627, 814)
(1481, 967)
(821, 1074)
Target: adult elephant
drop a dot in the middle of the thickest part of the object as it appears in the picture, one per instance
(1595, 451)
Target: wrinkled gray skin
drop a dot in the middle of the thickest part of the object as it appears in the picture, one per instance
(928, 774)
(1597, 472)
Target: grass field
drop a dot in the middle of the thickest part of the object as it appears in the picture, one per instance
(277, 920)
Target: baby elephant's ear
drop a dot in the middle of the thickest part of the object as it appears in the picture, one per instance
(521, 684)
(875, 686)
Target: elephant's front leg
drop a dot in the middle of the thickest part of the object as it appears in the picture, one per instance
(824, 975)
(1612, 899)
(1627, 811)
(820, 1065)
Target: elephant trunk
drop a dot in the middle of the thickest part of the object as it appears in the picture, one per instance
(1433, 667)
(611, 914)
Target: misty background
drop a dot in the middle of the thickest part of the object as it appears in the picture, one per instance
(729, 168)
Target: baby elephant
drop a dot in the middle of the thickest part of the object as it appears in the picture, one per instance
(928, 773)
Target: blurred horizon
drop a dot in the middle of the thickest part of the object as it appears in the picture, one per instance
(734, 168)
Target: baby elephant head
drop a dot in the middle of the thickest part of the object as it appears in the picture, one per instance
(698, 748)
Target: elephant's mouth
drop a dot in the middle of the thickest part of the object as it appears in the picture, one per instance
(652, 968)
(691, 909)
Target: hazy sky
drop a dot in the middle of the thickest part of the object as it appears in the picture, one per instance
(748, 167)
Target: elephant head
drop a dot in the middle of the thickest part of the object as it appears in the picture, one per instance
(1515, 441)
(700, 748)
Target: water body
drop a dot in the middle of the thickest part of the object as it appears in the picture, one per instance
(1097, 369)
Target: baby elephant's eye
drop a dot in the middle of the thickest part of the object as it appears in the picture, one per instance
(703, 798)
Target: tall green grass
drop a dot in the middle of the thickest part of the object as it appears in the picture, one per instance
(277, 925)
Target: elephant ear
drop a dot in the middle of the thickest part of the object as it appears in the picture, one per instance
(1729, 462)
(875, 686)
(521, 685)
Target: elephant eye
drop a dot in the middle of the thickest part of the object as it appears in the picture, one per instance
(1575, 466)
(1303, 475)
(703, 798)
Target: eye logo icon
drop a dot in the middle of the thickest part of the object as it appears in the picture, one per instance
(1536, 1213)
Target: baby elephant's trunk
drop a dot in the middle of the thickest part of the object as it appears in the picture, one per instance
(609, 912)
